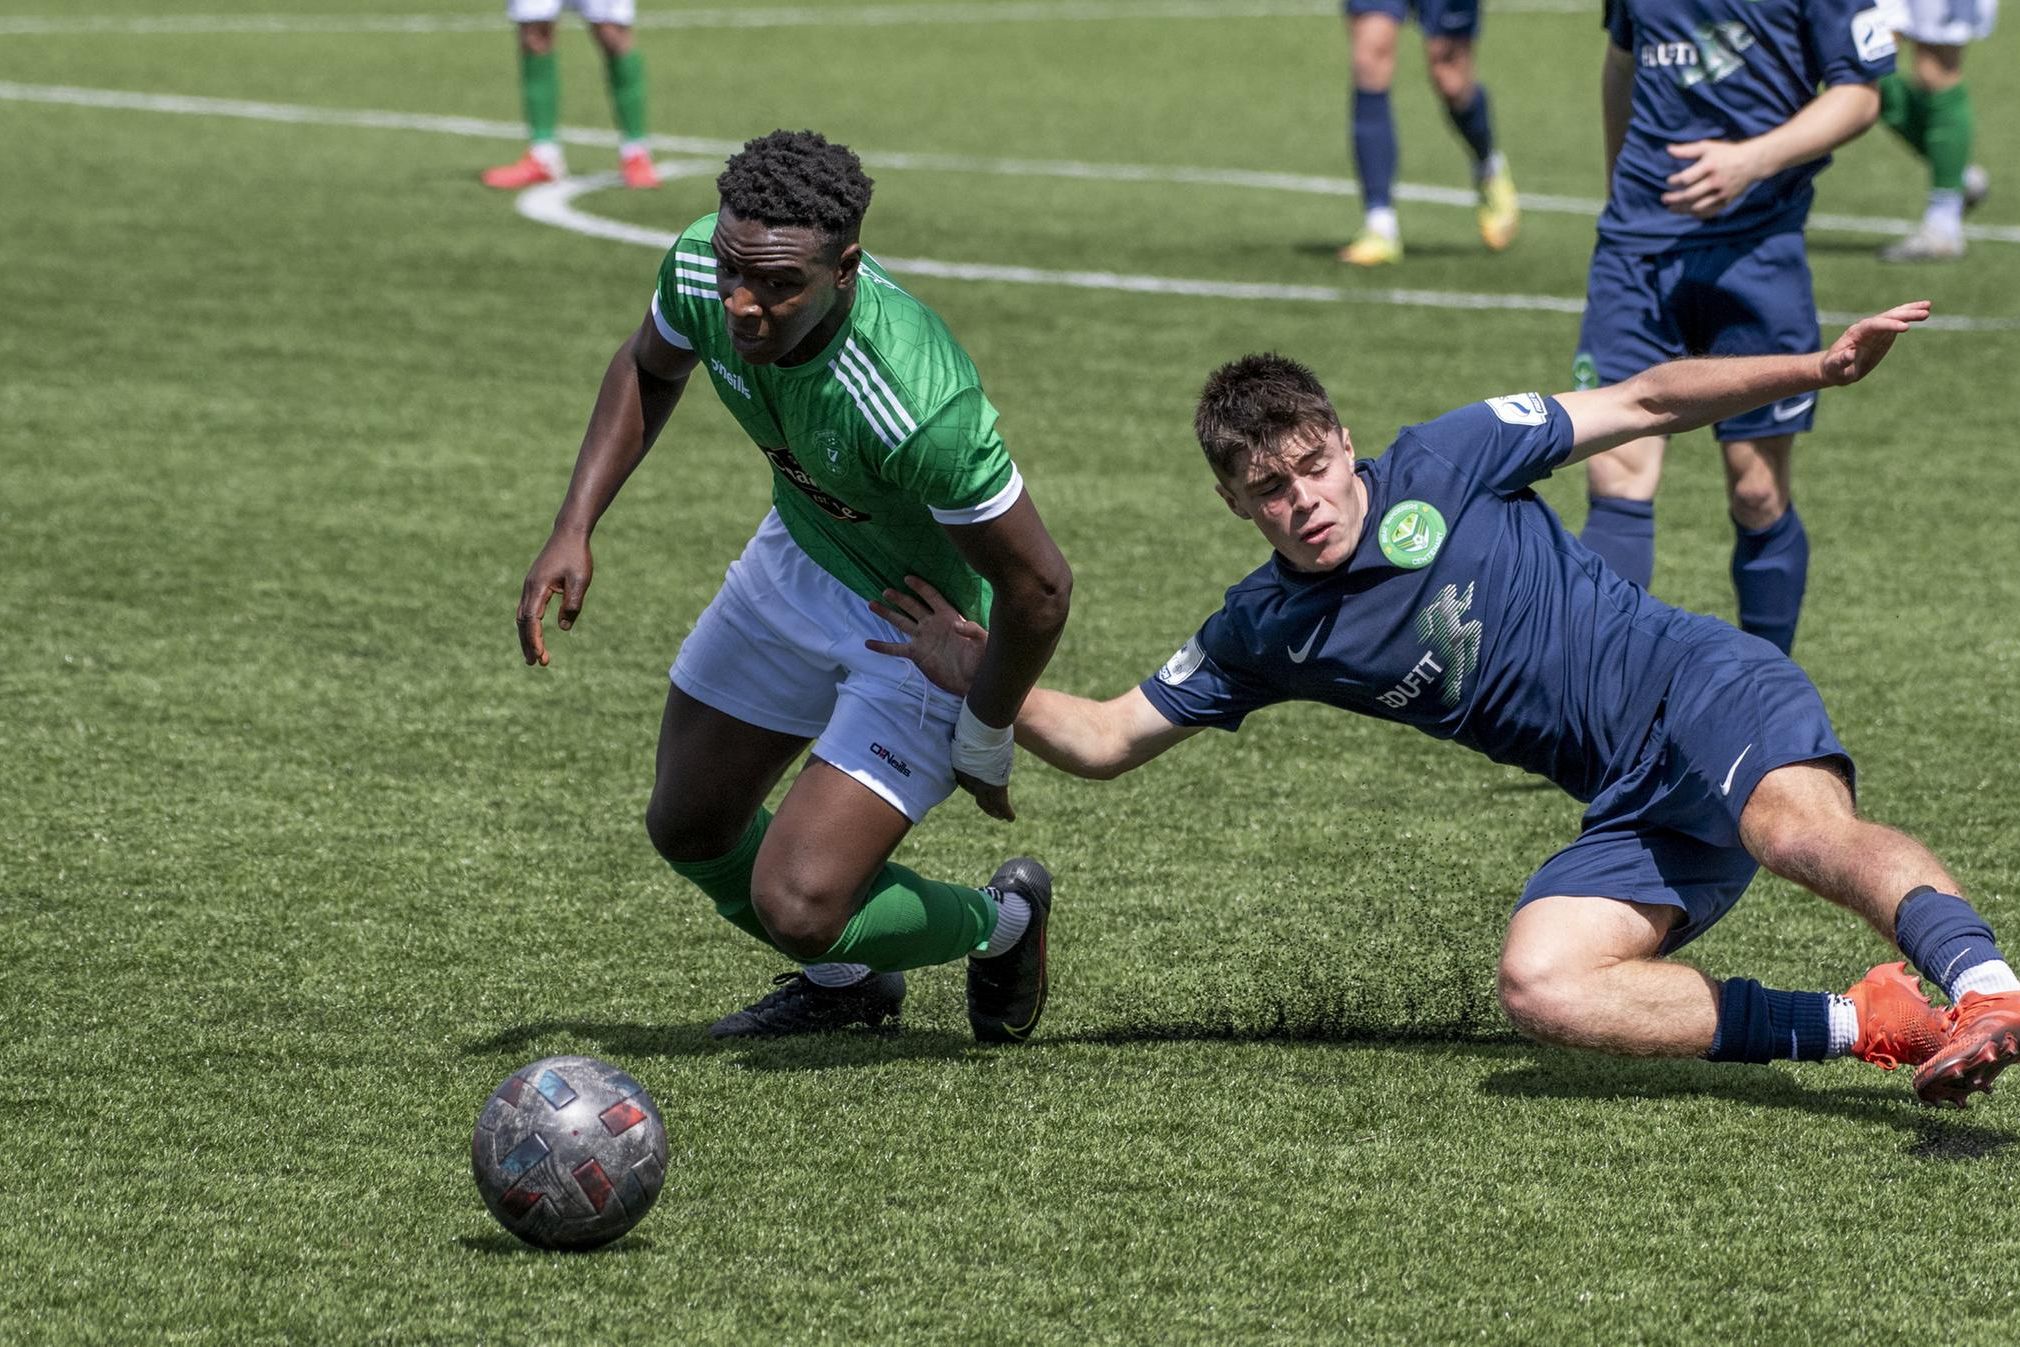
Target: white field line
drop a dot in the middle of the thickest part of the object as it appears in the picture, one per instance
(1298, 183)
(746, 16)
(554, 204)
(558, 199)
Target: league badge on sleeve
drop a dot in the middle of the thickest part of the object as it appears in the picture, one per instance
(1873, 33)
(1411, 534)
(1521, 409)
(1182, 665)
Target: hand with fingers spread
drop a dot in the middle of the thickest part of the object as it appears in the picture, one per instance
(1719, 174)
(563, 567)
(1866, 343)
(945, 646)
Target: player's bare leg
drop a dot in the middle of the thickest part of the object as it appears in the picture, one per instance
(1800, 823)
(1771, 550)
(540, 95)
(1372, 133)
(1620, 486)
(1584, 972)
(625, 71)
(1450, 63)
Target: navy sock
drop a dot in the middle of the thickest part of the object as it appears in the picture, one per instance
(1769, 570)
(1622, 532)
(1759, 1025)
(1943, 935)
(1474, 125)
(1374, 135)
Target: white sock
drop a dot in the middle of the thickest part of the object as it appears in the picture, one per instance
(1945, 213)
(1492, 166)
(1991, 976)
(549, 154)
(836, 974)
(1013, 916)
(627, 148)
(1382, 220)
(1844, 1026)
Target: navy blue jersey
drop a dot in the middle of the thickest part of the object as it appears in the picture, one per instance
(1466, 610)
(1728, 70)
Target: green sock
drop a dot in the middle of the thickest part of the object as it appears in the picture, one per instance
(1903, 107)
(540, 91)
(911, 922)
(627, 92)
(1947, 137)
(726, 879)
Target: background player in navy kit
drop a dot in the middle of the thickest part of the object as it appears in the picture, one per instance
(1714, 130)
(1431, 586)
(1449, 29)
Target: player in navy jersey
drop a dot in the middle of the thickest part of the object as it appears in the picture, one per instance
(1715, 130)
(1432, 586)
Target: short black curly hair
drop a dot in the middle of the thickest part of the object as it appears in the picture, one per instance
(798, 178)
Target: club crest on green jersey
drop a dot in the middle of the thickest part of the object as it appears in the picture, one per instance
(1411, 534)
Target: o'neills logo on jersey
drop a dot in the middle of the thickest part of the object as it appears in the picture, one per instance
(730, 377)
(831, 506)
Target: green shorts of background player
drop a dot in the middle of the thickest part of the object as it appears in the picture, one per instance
(884, 461)
(610, 23)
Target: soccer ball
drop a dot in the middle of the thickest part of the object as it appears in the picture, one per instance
(569, 1153)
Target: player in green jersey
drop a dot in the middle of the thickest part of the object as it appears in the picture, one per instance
(885, 463)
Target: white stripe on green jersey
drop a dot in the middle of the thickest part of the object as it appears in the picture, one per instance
(874, 443)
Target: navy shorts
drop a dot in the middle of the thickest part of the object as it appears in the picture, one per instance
(1747, 297)
(1438, 18)
(1666, 830)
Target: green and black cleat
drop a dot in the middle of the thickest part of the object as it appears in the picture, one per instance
(1006, 994)
(799, 1005)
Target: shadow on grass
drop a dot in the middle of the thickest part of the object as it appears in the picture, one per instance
(626, 1041)
(1343, 1031)
(1934, 1135)
(498, 1244)
(1330, 251)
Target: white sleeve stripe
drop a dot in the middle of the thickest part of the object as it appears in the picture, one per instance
(666, 329)
(997, 504)
(690, 274)
(699, 259)
(869, 367)
(697, 292)
(863, 405)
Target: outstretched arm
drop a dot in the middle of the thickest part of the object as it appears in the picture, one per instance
(1685, 394)
(640, 389)
(1086, 738)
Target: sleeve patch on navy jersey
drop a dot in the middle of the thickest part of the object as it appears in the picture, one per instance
(1521, 409)
(1873, 34)
(1184, 664)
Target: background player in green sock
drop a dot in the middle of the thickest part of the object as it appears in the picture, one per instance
(1930, 108)
(610, 23)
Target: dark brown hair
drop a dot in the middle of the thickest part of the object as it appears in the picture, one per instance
(1252, 405)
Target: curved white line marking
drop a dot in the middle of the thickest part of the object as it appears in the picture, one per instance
(554, 204)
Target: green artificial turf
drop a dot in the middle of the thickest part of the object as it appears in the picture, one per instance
(300, 861)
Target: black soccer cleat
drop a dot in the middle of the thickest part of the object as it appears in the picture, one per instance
(1006, 994)
(798, 1005)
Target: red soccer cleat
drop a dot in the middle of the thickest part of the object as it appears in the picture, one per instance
(1983, 1040)
(638, 170)
(525, 171)
(1896, 1022)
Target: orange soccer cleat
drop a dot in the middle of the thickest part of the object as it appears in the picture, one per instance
(1896, 1022)
(638, 169)
(1983, 1040)
(525, 171)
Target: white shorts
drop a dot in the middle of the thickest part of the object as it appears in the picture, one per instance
(1943, 23)
(781, 647)
(623, 12)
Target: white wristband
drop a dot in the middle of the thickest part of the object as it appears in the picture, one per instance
(983, 751)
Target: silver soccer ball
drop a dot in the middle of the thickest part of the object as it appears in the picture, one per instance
(569, 1153)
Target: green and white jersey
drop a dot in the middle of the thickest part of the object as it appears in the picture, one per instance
(874, 443)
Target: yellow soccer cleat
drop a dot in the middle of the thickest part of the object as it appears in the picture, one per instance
(1370, 249)
(1500, 212)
